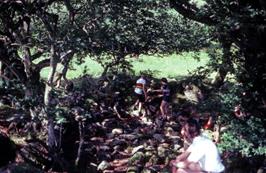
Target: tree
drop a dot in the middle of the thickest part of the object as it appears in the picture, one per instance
(29, 30)
(37, 34)
(239, 26)
(116, 29)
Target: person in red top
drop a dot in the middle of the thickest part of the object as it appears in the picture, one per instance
(182, 119)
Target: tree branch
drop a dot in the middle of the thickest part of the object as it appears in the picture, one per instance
(65, 59)
(38, 54)
(191, 11)
(13, 71)
(67, 56)
(71, 11)
(42, 64)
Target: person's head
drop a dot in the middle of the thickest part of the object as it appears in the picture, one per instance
(142, 76)
(164, 81)
(188, 87)
(152, 83)
(183, 117)
(193, 127)
(69, 87)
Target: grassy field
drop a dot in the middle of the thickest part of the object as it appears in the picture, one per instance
(171, 66)
(167, 66)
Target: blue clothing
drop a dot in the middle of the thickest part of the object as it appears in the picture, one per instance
(166, 93)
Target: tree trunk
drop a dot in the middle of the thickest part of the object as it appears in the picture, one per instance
(52, 141)
(81, 160)
(65, 59)
(27, 61)
(254, 65)
(225, 66)
(1, 68)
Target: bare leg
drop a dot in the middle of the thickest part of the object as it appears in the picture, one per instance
(140, 107)
(173, 164)
(136, 103)
(162, 108)
(190, 168)
(181, 170)
(195, 167)
(185, 167)
(166, 109)
(174, 169)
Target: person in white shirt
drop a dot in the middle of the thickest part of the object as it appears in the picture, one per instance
(140, 91)
(202, 155)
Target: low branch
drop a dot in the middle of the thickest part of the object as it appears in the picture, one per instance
(191, 11)
(42, 64)
(4, 77)
(12, 70)
(38, 54)
(67, 56)
(65, 59)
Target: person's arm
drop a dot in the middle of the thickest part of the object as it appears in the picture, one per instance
(182, 156)
(159, 91)
(181, 160)
(184, 163)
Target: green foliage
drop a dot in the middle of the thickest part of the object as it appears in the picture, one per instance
(216, 57)
(240, 29)
(60, 115)
(157, 29)
(115, 29)
(244, 134)
(109, 32)
(247, 138)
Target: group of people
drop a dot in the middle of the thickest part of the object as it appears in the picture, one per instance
(200, 154)
(142, 95)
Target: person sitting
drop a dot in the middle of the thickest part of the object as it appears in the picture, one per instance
(201, 156)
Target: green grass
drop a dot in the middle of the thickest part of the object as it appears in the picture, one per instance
(163, 66)
(93, 68)
(171, 66)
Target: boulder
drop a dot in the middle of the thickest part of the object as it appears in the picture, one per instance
(158, 137)
(117, 131)
(138, 148)
(103, 165)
